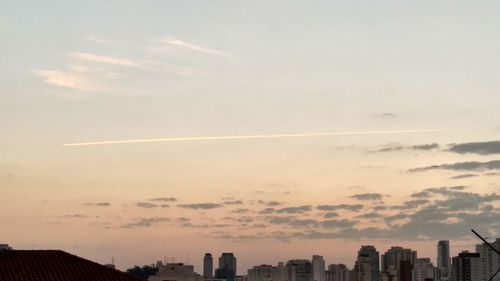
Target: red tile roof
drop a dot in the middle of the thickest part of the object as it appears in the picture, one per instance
(53, 265)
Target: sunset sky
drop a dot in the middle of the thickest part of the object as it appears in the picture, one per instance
(94, 71)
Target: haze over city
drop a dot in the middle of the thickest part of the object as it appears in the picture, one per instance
(274, 130)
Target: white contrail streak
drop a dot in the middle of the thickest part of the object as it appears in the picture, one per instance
(252, 137)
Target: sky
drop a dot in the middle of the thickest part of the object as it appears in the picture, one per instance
(97, 71)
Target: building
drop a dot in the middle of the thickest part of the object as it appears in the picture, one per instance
(337, 272)
(443, 260)
(466, 267)
(176, 272)
(368, 259)
(397, 264)
(423, 270)
(227, 267)
(5, 247)
(318, 264)
(362, 270)
(54, 265)
(262, 273)
(490, 261)
(208, 266)
(299, 270)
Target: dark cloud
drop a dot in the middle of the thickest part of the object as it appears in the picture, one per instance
(272, 203)
(429, 146)
(391, 148)
(291, 221)
(98, 204)
(233, 202)
(348, 207)
(267, 211)
(372, 215)
(245, 219)
(183, 219)
(269, 203)
(380, 208)
(367, 196)
(294, 210)
(240, 211)
(432, 213)
(330, 215)
(146, 222)
(463, 176)
(482, 148)
(201, 206)
(338, 223)
(412, 204)
(462, 166)
(146, 205)
(164, 199)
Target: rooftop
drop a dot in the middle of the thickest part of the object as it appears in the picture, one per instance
(54, 265)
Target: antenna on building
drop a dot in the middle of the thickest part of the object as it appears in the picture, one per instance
(491, 247)
(187, 256)
(113, 260)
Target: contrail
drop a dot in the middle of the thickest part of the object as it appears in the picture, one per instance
(238, 137)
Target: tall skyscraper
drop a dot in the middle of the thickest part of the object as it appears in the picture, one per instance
(227, 267)
(299, 270)
(490, 261)
(318, 264)
(397, 264)
(443, 254)
(443, 260)
(208, 266)
(368, 254)
(466, 267)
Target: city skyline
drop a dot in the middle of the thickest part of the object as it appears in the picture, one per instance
(139, 129)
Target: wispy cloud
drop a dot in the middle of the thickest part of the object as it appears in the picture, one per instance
(64, 79)
(462, 166)
(96, 39)
(99, 204)
(201, 206)
(194, 47)
(104, 59)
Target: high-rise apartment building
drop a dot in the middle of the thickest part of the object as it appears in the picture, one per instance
(466, 267)
(318, 264)
(490, 260)
(208, 266)
(227, 267)
(299, 270)
(423, 270)
(443, 260)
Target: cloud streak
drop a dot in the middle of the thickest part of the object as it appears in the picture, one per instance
(462, 166)
(243, 137)
(482, 148)
(104, 59)
(173, 41)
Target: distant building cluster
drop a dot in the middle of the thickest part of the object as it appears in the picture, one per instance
(396, 264)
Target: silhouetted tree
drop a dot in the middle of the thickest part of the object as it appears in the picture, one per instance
(142, 272)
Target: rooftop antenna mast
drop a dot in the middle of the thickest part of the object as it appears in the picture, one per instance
(491, 247)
